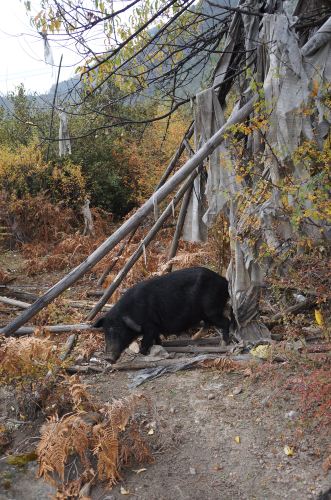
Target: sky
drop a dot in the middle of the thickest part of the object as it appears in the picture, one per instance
(22, 52)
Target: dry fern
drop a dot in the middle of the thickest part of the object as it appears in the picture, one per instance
(222, 364)
(28, 356)
(61, 438)
(185, 259)
(117, 416)
(92, 439)
(78, 393)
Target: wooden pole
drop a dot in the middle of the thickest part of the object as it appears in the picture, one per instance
(29, 330)
(139, 251)
(179, 226)
(16, 303)
(130, 224)
(181, 217)
(176, 156)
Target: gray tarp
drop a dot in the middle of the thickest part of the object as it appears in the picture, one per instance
(289, 75)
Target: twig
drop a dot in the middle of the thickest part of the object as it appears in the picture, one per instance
(68, 346)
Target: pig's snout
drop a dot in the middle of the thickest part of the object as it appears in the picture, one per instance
(112, 357)
(111, 352)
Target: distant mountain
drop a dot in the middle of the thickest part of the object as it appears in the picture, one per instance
(69, 90)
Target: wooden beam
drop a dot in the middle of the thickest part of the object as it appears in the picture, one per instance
(28, 330)
(16, 303)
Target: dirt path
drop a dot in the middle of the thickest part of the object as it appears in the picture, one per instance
(198, 418)
(217, 436)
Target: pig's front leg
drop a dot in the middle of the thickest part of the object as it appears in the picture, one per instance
(149, 338)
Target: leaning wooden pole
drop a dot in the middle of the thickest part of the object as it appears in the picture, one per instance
(145, 242)
(188, 134)
(181, 217)
(179, 226)
(176, 156)
(130, 224)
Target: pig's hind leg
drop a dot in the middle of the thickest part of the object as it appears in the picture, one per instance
(217, 320)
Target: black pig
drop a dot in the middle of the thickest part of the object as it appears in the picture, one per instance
(166, 304)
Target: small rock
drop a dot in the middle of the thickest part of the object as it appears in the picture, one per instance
(193, 471)
(291, 414)
(158, 351)
(172, 411)
(211, 396)
(96, 360)
(134, 347)
(299, 297)
(237, 390)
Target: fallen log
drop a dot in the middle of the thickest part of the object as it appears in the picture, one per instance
(141, 365)
(133, 221)
(318, 348)
(19, 294)
(28, 330)
(79, 304)
(82, 304)
(16, 303)
(84, 369)
(95, 293)
(198, 349)
(191, 341)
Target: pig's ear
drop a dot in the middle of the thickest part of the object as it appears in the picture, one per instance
(130, 323)
(99, 323)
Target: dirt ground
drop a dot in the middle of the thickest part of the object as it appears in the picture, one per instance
(217, 435)
(210, 442)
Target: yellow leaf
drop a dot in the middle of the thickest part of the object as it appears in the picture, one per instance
(124, 491)
(261, 351)
(288, 451)
(237, 439)
(319, 317)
